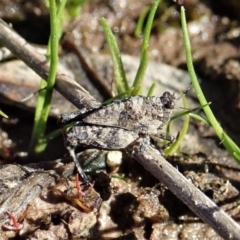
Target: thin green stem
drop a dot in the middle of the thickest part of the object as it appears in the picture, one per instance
(120, 78)
(138, 81)
(175, 146)
(37, 144)
(3, 114)
(151, 90)
(191, 112)
(224, 138)
(139, 28)
(36, 133)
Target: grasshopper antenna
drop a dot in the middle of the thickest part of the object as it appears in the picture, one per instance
(184, 93)
(32, 95)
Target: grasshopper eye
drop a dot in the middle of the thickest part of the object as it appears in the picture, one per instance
(167, 100)
(170, 105)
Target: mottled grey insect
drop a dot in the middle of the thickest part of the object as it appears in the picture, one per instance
(145, 115)
(101, 137)
(118, 124)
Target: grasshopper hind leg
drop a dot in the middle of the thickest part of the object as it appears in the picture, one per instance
(78, 166)
(167, 137)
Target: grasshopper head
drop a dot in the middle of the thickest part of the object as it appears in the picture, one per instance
(168, 100)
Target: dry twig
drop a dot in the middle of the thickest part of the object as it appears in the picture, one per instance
(39, 63)
(206, 209)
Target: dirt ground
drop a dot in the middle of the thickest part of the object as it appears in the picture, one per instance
(125, 202)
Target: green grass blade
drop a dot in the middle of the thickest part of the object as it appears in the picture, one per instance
(151, 90)
(190, 111)
(60, 16)
(37, 144)
(120, 78)
(199, 118)
(3, 114)
(74, 7)
(52, 135)
(231, 146)
(139, 28)
(138, 81)
(37, 130)
(119, 96)
(175, 146)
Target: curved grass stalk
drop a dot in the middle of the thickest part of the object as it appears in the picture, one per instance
(228, 143)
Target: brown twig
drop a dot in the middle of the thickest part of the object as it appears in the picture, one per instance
(150, 158)
(39, 63)
(207, 210)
